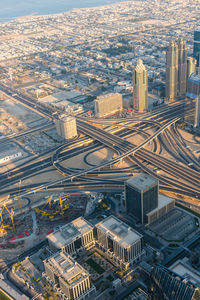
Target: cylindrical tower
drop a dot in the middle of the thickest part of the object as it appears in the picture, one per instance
(172, 71)
(182, 67)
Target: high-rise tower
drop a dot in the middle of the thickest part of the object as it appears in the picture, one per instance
(172, 71)
(197, 112)
(191, 66)
(196, 49)
(182, 67)
(141, 194)
(140, 87)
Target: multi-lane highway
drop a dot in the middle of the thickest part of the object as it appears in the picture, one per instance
(177, 177)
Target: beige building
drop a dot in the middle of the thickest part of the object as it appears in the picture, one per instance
(165, 204)
(72, 237)
(140, 87)
(68, 278)
(182, 67)
(191, 66)
(108, 104)
(119, 241)
(176, 69)
(172, 71)
(66, 127)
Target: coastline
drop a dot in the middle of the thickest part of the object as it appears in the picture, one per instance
(55, 11)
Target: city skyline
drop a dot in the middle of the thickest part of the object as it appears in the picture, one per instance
(99, 152)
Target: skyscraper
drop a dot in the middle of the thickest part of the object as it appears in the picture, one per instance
(191, 66)
(141, 193)
(196, 49)
(166, 285)
(182, 67)
(140, 87)
(197, 112)
(172, 71)
(176, 69)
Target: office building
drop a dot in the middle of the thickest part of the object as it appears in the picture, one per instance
(171, 89)
(142, 199)
(108, 104)
(72, 237)
(196, 49)
(193, 86)
(140, 87)
(197, 112)
(119, 241)
(182, 67)
(68, 278)
(166, 285)
(165, 204)
(176, 69)
(66, 127)
(191, 66)
(141, 195)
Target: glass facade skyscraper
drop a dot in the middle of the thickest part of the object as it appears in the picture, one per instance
(141, 193)
(166, 285)
(196, 49)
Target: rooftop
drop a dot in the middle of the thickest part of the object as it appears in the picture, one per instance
(187, 272)
(119, 231)
(65, 117)
(140, 67)
(65, 267)
(60, 96)
(69, 232)
(108, 96)
(142, 182)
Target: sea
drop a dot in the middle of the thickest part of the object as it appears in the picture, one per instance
(11, 9)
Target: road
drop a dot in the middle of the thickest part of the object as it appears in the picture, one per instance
(186, 179)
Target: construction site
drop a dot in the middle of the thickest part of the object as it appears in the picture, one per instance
(24, 223)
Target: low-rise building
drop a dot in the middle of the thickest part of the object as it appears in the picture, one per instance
(119, 241)
(72, 237)
(68, 278)
(165, 204)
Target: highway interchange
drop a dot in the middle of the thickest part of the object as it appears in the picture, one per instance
(176, 175)
(178, 172)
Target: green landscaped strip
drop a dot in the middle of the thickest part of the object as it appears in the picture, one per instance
(4, 296)
(95, 266)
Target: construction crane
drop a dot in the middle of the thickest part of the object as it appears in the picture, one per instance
(49, 203)
(61, 204)
(11, 214)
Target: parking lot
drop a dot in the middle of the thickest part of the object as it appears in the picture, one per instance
(174, 226)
